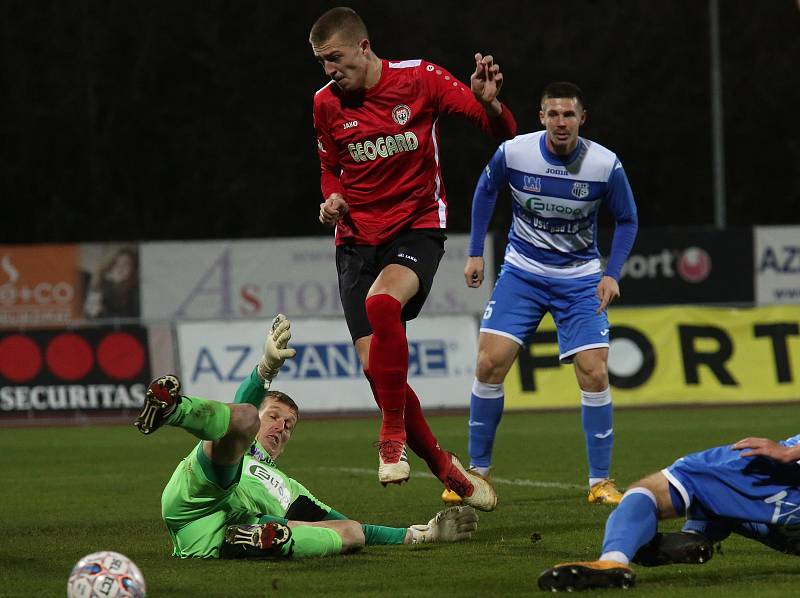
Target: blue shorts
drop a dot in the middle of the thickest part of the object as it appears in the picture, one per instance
(520, 299)
(719, 482)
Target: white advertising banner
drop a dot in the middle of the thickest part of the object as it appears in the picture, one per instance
(223, 280)
(777, 264)
(326, 376)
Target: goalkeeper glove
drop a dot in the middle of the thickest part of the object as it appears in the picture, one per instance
(451, 525)
(276, 349)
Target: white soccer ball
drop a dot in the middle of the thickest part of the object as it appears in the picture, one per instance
(105, 574)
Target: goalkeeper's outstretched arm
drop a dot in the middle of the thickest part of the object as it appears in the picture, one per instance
(276, 351)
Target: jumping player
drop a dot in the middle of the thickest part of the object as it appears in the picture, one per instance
(378, 142)
(558, 182)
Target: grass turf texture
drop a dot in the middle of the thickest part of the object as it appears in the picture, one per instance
(70, 491)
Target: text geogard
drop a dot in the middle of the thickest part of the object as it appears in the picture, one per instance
(383, 146)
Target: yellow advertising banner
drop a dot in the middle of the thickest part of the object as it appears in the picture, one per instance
(673, 355)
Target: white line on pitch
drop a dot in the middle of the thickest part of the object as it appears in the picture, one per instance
(501, 481)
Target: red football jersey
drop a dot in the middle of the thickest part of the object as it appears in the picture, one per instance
(381, 151)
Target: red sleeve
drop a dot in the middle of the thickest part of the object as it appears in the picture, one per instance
(453, 97)
(328, 156)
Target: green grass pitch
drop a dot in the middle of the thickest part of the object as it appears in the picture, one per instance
(69, 491)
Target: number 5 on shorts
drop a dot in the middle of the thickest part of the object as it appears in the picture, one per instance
(488, 311)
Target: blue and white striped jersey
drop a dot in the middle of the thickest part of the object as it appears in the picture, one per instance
(555, 203)
(791, 441)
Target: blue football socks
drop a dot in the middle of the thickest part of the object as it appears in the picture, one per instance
(596, 416)
(485, 411)
(630, 526)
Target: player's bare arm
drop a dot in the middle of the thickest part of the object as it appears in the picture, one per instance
(607, 291)
(473, 271)
(485, 84)
(764, 447)
(332, 209)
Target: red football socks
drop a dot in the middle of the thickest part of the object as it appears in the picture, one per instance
(388, 363)
(420, 438)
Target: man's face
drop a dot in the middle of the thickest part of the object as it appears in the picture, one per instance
(277, 424)
(344, 61)
(562, 119)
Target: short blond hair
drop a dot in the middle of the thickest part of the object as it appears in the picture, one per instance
(341, 20)
(281, 397)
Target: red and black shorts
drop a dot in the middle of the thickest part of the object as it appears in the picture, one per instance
(419, 249)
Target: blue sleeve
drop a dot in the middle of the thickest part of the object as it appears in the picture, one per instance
(492, 180)
(620, 201)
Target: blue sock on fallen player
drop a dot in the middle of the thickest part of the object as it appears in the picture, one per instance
(485, 411)
(596, 416)
(630, 526)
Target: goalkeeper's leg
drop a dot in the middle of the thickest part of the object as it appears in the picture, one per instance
(226, 429)
(276, 537)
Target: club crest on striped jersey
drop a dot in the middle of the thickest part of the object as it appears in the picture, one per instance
(580, 190)
(401, 113)
(532, 184)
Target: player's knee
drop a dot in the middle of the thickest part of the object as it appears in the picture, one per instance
(244, 420)
(657, 487)
(648, 483)
(489, 369)
(352, 534)
(594, 376)
(383, 311)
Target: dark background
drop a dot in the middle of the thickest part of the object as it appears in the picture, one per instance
(147, 120)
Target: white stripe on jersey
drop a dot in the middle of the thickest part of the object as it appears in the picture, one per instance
(324, 86)
(437, 193)
(514, 258)
(547, 240)
(523, 154)
(678, 486)
(404, 64)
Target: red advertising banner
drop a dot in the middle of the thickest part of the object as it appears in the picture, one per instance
(88, 369)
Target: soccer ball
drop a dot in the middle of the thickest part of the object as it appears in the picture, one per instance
(107, 574)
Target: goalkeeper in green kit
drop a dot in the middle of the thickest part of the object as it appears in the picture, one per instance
(228, 499)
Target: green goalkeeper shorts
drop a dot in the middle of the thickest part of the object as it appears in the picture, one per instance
(197, 510)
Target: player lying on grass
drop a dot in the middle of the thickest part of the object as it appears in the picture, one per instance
(751, 488)
(228, 498)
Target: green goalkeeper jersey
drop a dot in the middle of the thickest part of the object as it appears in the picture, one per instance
(197, 510)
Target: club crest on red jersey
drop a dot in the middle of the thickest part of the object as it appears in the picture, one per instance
(401, 113)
